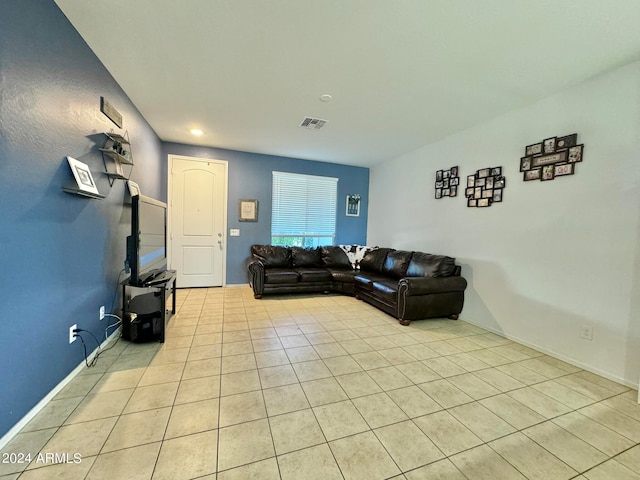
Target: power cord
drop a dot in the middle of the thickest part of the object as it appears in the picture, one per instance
(100, 351)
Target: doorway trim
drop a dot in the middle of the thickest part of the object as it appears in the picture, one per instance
(225, 164)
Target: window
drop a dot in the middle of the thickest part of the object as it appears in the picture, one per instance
(303, 210)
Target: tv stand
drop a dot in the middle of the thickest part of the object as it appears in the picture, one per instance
(148, 301)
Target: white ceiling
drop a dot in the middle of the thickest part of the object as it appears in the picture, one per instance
(402, 73)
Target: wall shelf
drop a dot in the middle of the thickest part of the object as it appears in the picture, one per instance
(82, 193)
(114, 156)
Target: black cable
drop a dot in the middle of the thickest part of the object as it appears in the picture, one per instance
(115, 293)
(84, 347)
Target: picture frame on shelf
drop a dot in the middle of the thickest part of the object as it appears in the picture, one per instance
(82, 175)
(247, 210)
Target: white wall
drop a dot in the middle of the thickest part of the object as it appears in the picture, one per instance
(553, 256)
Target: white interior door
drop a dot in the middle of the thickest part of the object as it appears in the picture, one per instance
(197, 220)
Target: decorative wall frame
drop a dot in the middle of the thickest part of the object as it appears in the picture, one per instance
(353, 205)
(553, 157)
(447, 182)
(82, 176)
(247, 210)
(485, 187)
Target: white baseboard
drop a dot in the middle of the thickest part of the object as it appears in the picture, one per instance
(572, 361)
(43, 403)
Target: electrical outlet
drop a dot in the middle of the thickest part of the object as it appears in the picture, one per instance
(72, 334)
(102, 312)
(586, 332)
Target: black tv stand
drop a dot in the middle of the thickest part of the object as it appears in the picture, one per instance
(148, 301)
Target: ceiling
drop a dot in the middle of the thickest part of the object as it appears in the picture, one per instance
(402, 73)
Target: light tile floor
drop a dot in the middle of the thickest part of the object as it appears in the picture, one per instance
(327, 387)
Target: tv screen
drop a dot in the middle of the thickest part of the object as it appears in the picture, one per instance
(147, 245)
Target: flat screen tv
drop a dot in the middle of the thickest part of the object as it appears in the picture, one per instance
(147, 245)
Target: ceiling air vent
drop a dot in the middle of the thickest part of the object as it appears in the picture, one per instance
(312, 123)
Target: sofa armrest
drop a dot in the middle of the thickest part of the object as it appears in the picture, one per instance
(427, 285)
(255, 270)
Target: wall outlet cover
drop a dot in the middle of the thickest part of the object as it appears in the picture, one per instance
(72, 335)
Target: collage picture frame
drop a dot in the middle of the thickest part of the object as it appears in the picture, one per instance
(552, 157)
(485, 187)
(447, 183)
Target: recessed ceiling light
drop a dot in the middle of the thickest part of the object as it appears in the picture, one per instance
(326, 98)
(196, 131)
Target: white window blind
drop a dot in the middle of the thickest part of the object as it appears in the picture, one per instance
(303, 209)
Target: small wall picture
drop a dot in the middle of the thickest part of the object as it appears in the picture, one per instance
(551, 158)
(485, 187)
(353, 205)
(566, 141)
(535, 149)
(575, 154)
(134, 188)
(548, 172)
(247, 210)
(82, 175)
(563, 169)
(447, 182)
(532, 174)
(549, 145)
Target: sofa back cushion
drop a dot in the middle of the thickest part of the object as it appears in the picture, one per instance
(334, 257)
(396, 263)
(306, 257)
(427, 265)
(374, 259)
(272, 256)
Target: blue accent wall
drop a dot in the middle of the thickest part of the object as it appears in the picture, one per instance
(250, 177)
(60, 254)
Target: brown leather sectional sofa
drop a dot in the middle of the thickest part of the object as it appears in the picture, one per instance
(407, 285)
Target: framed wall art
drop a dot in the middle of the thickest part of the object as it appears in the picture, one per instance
(447, 182)
(247, 210)
(485, 187)
(82, 175)
(551, 158)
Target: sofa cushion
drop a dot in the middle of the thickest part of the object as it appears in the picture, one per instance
(386, 290)
(427, 265)
(343, 275)
(280, 275)
(374, 259)
(365, 280)
(334, 257)
(272, 255)
(396, 263)
(310, 274)
(305, 257)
